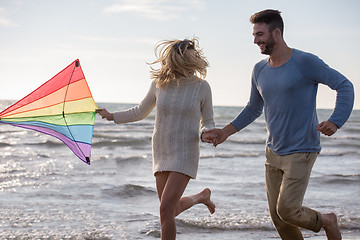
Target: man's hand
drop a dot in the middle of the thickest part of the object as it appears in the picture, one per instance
(327, 128)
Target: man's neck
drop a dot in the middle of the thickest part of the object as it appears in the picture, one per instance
(280, 56)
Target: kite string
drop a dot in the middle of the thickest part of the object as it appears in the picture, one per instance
(63, 112)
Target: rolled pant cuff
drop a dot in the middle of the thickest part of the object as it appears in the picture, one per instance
(318, 223)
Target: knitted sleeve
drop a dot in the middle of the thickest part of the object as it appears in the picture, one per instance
(207, 113)
(140, 111)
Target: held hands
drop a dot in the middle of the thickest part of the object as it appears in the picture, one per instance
(105, 114)
(217, 136)
(327, 128)
(213, 136)
(209, 137)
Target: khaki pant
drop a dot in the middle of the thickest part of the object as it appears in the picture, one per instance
(287, 178)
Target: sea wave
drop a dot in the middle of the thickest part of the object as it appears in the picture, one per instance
(129, 191)
(336, 153)
(122, 141)
(341, 179)
(248, 141)
(241, 222)
(352, 129)
(51, 143)
(230, 155)
(235, 222)
(126, 159)
(3, 144)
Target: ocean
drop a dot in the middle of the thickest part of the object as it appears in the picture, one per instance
(46, 192)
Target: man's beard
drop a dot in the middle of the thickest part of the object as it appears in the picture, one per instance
(269, 46)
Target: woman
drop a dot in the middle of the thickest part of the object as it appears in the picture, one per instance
(183, 102)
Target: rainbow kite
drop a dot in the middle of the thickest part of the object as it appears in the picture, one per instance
(62, 107)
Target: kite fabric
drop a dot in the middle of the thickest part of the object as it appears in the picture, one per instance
(62, 107)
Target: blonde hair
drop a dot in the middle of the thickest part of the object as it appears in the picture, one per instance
(176, 63)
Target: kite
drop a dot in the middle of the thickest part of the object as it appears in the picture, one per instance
(62, 107)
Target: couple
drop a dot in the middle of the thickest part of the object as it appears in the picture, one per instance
(284, 86)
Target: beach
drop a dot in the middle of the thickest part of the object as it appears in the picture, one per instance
(46, 192)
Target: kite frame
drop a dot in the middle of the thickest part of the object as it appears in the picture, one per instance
(72, 139)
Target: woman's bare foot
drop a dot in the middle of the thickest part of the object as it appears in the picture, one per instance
(206, 194)
(331, 226)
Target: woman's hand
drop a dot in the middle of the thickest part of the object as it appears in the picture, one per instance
(105, 114)
(208, 137)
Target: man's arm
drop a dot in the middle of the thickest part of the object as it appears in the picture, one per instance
(318, 71)
(252, 110)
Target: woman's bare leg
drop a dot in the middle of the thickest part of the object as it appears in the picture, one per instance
(189, 201)
(170, 187)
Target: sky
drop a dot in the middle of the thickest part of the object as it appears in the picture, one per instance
(115, 39)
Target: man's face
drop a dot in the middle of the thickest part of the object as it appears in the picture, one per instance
(263, 38)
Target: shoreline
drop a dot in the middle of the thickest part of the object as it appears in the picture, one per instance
(262, 235)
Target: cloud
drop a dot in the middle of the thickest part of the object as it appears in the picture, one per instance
(4, 21)
(161, 10)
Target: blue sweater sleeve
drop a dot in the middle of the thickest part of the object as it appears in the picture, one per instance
(319, 72)
(255, 105)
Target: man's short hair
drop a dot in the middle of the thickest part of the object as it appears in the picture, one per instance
(270, 17)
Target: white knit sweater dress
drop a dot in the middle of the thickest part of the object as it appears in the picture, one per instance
(180, 110)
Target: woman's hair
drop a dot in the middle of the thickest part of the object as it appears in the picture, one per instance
(176, 63)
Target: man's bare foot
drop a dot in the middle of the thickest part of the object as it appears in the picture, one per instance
(206, 193)
(331, 226)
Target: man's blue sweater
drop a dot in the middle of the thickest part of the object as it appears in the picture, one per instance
(288, 96)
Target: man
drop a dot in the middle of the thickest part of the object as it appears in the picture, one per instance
(284, 86)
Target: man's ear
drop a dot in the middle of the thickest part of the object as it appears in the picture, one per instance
(276, 33)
